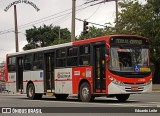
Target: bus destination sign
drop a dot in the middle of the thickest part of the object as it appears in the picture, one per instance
(128, 40)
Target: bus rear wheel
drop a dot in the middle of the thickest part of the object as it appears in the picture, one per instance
(122, 97)
(85, 92)
(61, 96)
(31, 92)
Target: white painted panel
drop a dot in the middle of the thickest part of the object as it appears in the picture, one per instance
(58, 87)
(39, 87)
(67, 87)
(12, 77)
(24, 87)
(36, 77)
(12, 82)
(26, 76)
(115, 89)
(12, 87)
(63, 81)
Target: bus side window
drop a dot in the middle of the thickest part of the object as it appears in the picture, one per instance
(72, 56)
(61, 57)
(37, 61)
(12, 64)
(28, 62)
(84, 58)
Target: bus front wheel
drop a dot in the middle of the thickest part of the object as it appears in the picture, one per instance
(85, 92)
(122, 97)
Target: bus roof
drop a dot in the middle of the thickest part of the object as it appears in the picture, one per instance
(106, 38)
(41, 49)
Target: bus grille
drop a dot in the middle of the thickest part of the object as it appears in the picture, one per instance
(134, 83)
(128, 89)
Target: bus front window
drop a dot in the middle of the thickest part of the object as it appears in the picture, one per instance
(126, 59)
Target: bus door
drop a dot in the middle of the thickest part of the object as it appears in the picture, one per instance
(99, 67)
(49, 72)
(19, 73)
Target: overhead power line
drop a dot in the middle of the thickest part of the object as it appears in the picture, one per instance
(90, 1)
(57, 15)
(94, 12)
(40, 20)
(91, 22)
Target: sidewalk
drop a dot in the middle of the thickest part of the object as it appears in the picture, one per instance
(11, 93)
(156, 87)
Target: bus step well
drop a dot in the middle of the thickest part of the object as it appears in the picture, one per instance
(49, 94)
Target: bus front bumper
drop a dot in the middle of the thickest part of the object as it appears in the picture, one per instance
(129, 88)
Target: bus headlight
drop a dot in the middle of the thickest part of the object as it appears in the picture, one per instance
(149, 82)
(116, 81)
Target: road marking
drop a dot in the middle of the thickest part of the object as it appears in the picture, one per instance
(81, 103)
(156, 103)
(103, 104)
(129, 103)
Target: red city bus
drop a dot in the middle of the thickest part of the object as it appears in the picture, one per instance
(112, 66)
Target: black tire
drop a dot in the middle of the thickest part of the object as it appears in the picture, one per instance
(61, 96)
(31, 92)
(122, 97)
(85, 92)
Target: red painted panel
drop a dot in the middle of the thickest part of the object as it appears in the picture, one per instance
(0, 76)
(108, 81)
(80, 73)
(6, 71)
(105, 38)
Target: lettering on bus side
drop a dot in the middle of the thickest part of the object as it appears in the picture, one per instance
(63, 73)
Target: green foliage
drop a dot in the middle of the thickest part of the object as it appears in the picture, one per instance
(45, 36)
(30, 46)
(61, 41)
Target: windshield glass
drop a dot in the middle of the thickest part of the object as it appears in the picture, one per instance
(129, 59)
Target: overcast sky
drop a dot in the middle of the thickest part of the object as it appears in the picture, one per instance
(101, 14)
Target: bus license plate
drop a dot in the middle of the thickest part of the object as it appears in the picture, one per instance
(134, 88)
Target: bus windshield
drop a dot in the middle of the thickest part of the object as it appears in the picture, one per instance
(129, 59)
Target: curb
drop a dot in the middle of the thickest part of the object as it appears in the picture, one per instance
(9, 94)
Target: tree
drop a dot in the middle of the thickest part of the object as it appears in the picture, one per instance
(143, 20)
(60, 41)
(45, 36)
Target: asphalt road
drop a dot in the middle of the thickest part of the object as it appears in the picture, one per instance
(149, 100)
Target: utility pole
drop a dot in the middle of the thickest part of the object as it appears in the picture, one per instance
(73, 20)
(116, 2)
(16, 29)
(59, 33)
